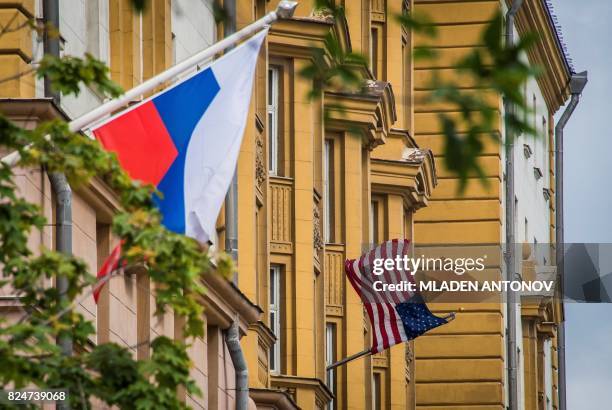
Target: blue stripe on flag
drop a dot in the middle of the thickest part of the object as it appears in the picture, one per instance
(181, 108)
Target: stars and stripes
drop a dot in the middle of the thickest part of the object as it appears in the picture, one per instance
(395, 316)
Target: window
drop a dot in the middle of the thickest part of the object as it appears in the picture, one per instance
(406, 86)
(374, 223)
(548, 377)
(330, 357)
(273, 137)
(376, 392)
(327, 190)
(545, 151)
(274, 298)
(374, 52)
(534, 124)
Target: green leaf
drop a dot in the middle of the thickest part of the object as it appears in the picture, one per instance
(68, 73)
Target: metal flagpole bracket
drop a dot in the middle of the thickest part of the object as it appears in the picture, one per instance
(285, 9)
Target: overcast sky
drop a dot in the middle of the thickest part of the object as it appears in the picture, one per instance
(588, 195)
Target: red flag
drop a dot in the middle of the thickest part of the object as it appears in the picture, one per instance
(110, 265)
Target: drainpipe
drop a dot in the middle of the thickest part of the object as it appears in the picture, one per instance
(59, 184)
(576, 85)
(63, 244)
(232, 339)
(51, 43)
(510, 256)
(231, 199)
(63, 240)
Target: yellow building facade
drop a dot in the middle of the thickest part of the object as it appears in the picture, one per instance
(318, 184)
(464, 364)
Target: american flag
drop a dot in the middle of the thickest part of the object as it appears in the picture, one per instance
(395, 317)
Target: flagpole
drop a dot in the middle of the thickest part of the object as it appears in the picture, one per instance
(284, 10)
(449, 318)
(348, 359)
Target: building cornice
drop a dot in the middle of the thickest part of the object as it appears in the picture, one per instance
(225, 303)
(401, 167)
(547, 52)
(413, 180)
(264, 333)
(273, 399)
(30, 112)
(297, 37)
(370, 110)
(291, 383)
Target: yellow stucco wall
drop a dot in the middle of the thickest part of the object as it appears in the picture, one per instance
(460, 364)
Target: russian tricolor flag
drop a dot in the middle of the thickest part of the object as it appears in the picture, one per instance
(186, 139)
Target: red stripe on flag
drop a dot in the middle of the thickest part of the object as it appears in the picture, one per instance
(394, 329)
(381, 323)
(384, 320)
(110, 264)
(141, 141)
(352, 277)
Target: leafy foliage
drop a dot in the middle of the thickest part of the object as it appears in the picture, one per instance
(332, 67)
(139, 5)
(175, 264)
(497, 67)
(418, 23)
(67, 73)
(219, 13)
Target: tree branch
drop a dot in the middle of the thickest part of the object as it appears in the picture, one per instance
(17, 76)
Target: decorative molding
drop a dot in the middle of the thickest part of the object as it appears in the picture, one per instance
(414, 181)
(291, 384)
(265, 339)
(370, 111)
(317, 234)
(260, 164)
(285, 248)
(377, 10)
(281, 194)
(272, 399)
(377, 6)
(337, 311)
(527, 150)
(259, 124)
(334, 279)
(409, 360)
(381, 359)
